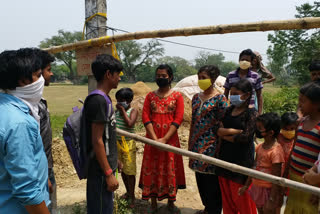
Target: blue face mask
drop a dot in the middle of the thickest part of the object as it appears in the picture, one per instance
(236, 100)
(124, 104)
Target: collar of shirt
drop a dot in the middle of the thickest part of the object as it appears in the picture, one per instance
(249, 74)
(12, 100)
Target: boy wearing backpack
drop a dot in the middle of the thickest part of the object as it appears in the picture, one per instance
(101, 137)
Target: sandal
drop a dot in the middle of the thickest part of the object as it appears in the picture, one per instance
(174, 210)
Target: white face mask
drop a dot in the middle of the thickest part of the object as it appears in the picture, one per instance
(31, 95)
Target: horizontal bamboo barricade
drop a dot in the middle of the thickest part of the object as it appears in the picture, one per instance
(290, 24)
(233, 167)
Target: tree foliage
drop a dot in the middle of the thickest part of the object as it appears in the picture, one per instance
(291, 51)
(180, 66)
(206, 58)
(66, 57)
(134, 56)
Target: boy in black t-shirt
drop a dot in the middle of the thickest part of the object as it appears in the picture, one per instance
(101, 137)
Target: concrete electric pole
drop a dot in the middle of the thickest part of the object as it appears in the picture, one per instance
(95, 27)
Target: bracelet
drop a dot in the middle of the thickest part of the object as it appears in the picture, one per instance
(108, 172)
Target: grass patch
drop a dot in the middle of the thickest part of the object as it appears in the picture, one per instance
(57, 122)
(63, 97)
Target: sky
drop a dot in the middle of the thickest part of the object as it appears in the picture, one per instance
(26, 23)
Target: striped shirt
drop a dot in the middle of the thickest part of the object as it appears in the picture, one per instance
(233, 77)
(121, 123)
(305, 152)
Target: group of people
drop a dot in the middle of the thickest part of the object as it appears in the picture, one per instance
(27, 182)
(223, 126)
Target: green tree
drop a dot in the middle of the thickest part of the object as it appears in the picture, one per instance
(66, 57)
(61, 72)
(291, 51)
(180, 66)
(146, 73)
(206, 58)
(134, 55)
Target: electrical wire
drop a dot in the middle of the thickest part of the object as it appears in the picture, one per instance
(113, 29)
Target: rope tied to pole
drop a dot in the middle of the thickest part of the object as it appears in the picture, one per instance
(89, 19)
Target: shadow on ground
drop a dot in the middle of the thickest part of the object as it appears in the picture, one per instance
(141, 207)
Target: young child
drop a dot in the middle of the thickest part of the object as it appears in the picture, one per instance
(237, 146)
(306, 150)
(269, 159)
(244, 72)
(312, 177)
(126, 118)
(314, 69)
(287, 134)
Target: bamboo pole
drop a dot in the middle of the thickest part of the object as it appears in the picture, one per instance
(230, 166)
(290, 24)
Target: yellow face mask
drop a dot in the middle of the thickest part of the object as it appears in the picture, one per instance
(288, 134)
(204, 84)
(244, 64)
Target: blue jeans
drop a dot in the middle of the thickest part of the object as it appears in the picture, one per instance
(99, 200)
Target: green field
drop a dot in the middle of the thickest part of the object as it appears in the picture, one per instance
(62, 97)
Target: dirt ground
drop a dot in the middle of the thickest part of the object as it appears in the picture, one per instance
(72, 191)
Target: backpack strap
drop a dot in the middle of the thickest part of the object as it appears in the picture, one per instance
(109, 109)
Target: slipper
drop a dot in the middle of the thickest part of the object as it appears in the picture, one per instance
(174, 210)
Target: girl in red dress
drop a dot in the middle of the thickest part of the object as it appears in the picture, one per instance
(162, 172)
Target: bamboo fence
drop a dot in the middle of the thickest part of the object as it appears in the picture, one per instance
(290, 24)
(233, 167)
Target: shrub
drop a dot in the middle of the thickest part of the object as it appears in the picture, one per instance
(283, 101)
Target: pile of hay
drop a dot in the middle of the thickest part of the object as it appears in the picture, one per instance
(140, 91)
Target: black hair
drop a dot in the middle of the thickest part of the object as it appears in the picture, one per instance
(311, 91)
(245, 86)
(45, 57)
(167, 68)
(5, 57)
(314, 65)
(18, 65)
(103, 63)
(247, 52)
(212, 71)
(125, 93)
(288, 118)
(271, 122)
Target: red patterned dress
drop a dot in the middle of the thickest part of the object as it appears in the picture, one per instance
(162, 172)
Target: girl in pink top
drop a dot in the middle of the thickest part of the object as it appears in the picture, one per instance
(289, 124)
(269, 159)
